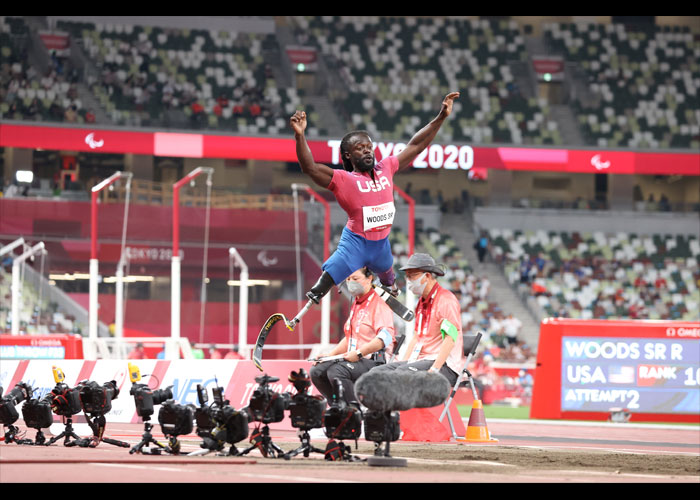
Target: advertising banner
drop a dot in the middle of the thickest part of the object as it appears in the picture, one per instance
(437, 156)
(181, 377)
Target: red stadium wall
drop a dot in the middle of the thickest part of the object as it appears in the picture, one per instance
(71, 219)
(266, 237)
(648, 367)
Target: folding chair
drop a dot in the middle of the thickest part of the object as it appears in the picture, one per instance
(399, 340)
(470, 343)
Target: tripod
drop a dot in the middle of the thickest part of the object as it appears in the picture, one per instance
(11, 434)
(382, 457)
(261, 440)
(67, 434)
(147, 439)
(40, 439)
(98, 425)
(305, 447)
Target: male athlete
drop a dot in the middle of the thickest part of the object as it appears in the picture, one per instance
(365, 191)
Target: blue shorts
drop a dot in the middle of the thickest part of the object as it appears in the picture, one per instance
(355, 252)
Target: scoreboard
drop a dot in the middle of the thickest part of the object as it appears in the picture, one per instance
(641, 375)
(587, 368)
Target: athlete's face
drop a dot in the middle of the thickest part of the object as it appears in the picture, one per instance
(362, 153)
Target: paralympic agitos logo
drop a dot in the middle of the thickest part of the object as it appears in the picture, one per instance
(90, 141)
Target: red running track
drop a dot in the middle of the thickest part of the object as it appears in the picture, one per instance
(110, 464)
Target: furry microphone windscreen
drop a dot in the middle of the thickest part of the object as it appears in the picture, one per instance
(398, 390)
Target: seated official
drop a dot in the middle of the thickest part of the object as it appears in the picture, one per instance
(437, 343)
(369, 340)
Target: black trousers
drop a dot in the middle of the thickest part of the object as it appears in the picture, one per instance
(326, 375)
(423, 365)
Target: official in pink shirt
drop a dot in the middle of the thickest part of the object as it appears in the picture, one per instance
(369, 339)
(437, 343)
(365, 191)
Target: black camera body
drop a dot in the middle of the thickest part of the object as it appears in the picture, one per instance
(232, 425)
(146, 398)
(96, 398)
(37, 413)
(203, 413)
(341, 420)
(266, 405)
(65, 401)
(305, 410)
(382, 426)
(219, 423)
(175, 419)
(8, 413)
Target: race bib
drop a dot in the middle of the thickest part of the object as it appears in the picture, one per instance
(378, 217)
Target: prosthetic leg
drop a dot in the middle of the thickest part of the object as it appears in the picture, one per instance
(317, 292)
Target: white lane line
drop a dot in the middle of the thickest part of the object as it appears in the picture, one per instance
(140, 467)
(457, 462)
(616, 450)
(296, 478)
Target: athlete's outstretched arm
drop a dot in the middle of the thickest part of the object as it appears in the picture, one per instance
(425, 136)
(321, 174)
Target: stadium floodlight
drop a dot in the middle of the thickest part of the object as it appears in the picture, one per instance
(24, 176)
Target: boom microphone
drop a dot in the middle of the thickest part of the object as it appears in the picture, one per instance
(397, 390)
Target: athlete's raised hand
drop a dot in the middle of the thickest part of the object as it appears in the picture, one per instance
(425, 136)
(298, 122)
(321, 174)
(446, 109)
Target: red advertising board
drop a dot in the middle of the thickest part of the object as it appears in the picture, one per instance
(437, 156)
(587, 368)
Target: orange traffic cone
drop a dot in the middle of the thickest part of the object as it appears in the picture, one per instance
(477, 432)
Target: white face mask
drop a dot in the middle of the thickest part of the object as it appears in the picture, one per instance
(355, 288)
(416, 286)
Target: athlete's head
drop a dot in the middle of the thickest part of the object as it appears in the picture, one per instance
(357, 151)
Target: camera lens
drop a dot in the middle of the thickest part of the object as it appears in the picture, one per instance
(161, 395)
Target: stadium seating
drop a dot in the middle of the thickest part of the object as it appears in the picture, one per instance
(399, 69)
(35, 317)
(645, 83)
(24, 94)
(600, 275)
(218, 79)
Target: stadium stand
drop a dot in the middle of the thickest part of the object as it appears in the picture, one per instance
(218, 79)
(27, 95)
(38, 314)
(596, 275)
(397, 70)
(644, 81)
